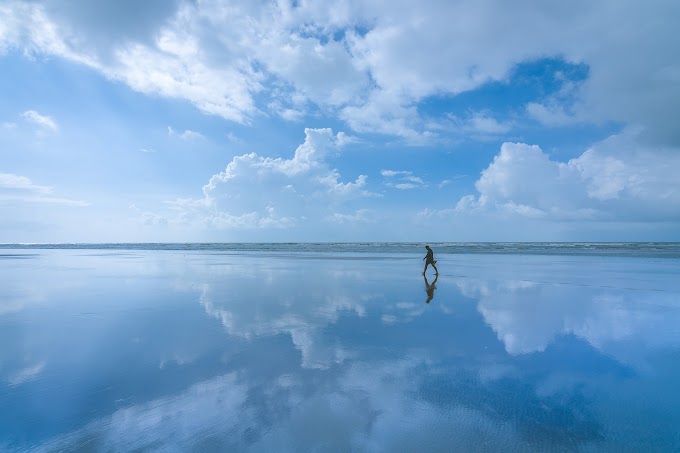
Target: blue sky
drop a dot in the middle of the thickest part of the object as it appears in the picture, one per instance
(125, 121)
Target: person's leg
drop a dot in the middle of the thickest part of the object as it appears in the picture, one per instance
(435, 268)
(425, 270)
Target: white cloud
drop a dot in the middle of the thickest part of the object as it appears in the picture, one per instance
(233, 138)
(186, 135)
(429, 213)
(358, 217)
(404, 186)
(486, 124)
(562, 108)
(287, 113)
(257, 192)
(390, 173)
(347, 188)
(168, 71)
(371, 63)
(553, 114)
(266, 219)
(384, 113)
(344, 139)
(11, 181)
(41, 120)
(171, 65)
(481, 124)
(405, 179)
(16, 188)
(616, 179)
(324, 73)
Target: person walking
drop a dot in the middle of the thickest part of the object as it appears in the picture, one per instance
(429, 259)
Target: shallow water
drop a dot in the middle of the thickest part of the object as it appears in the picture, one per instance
(119, 350)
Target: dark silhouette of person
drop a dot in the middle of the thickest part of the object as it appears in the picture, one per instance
(429, 289)
(429, 259)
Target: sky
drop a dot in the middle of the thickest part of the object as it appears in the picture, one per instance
(270, 121)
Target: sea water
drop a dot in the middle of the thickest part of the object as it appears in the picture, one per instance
(337, 347)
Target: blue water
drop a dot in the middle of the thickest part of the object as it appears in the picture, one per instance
(632, 249)
(304, 348)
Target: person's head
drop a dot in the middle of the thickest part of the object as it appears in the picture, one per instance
(427, 247)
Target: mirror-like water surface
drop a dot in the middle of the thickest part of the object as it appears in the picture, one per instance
(157, 350)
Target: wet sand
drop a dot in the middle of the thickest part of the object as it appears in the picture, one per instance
(124, 350)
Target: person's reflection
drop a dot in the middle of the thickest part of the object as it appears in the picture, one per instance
(429, 289)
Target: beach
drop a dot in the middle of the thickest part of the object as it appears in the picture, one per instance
(337, 349)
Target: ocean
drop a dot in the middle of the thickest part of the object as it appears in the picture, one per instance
(629, 249)
(340, 347)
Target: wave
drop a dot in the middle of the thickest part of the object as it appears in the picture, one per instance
(629, 249)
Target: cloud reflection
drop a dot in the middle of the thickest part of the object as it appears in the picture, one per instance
(296, 355)
(302, 318)
(396, 405)
(26, 374)
(527, 316)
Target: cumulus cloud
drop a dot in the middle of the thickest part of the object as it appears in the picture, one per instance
(616, 179)
(255, 192)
